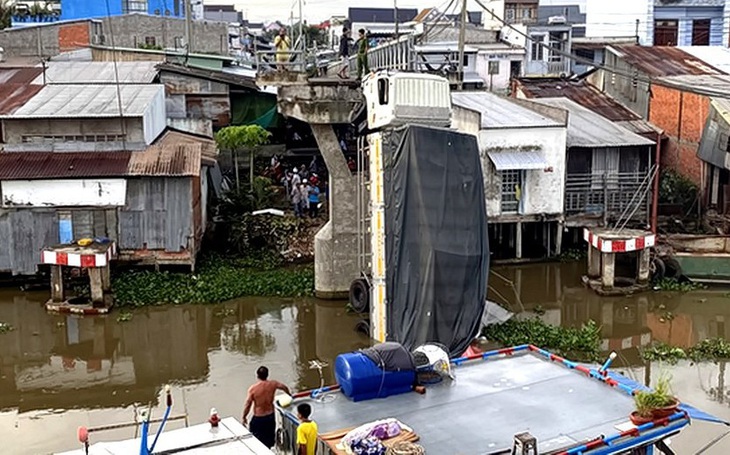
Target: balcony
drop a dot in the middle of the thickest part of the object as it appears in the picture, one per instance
(608, 195)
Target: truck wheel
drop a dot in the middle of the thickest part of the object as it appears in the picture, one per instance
(363, 326)
(657, 269)
(360, 295)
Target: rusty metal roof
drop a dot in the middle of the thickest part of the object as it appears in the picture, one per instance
(582, 93)
(19, 75)
(13, 96)
(660, 61)
(50, 165)
(175, 160)
(175, 137)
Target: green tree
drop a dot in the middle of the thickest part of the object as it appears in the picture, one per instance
(7, 9)
(240, 138)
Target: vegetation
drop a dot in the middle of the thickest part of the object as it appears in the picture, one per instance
(7, 10)
(242, 138)
(660, 397)
(219, 279)
(709, 350)
(577, 343)
(124, 317)
(674, 188)
(671, 284)
(573, 255)
(5, 327)
(150, 47)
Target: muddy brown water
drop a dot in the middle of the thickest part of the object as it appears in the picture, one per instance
(60, 372)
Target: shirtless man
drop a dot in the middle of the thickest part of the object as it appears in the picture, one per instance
(261, 397)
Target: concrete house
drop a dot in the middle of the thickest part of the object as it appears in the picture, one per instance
(74, 168)
(608, 169)
(523, 161)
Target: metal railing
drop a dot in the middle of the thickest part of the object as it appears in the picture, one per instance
(606, 194)
(397, 54)
(295, 61)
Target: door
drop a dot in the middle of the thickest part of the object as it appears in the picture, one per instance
(701, 32)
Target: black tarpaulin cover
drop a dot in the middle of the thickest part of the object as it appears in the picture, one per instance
(436, 244)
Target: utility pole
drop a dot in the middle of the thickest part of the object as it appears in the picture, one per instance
(395, 17)
(188, 27)
(462, 33)
(301, 28)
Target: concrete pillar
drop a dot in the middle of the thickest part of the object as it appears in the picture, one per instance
(518, 240)
(335, 245)
(57, 292)
(97, 291)
(106, 279)
(608, 269)
(643, 274)
(594, 262)
(559, 239)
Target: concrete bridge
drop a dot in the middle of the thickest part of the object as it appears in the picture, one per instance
(323, 102)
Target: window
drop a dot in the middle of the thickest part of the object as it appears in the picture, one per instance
(536, 47)
(150, 41)
(556, 43)
(701, 32)
(134, 6)
(511, 190)
(665, 33)
(509, 14)
(527, 13)
(51, 138)
(383, 91)
(494, 67)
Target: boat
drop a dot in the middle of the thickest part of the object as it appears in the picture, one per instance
(218, 435)
(495, 402)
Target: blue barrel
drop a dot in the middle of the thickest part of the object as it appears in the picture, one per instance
(361, 379)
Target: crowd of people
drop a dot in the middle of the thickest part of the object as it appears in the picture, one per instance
(303, 186)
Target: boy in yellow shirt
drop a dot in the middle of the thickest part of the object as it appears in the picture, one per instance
(306, 431)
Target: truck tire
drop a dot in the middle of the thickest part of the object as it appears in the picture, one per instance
(360, 295)
(363, 326)
(657, 269)
(672, 269)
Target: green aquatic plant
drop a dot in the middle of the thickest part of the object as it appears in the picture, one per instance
(124, 317)
(662, 352)
(670, 284)
(581, 343)
(647, 401)
(710, 350)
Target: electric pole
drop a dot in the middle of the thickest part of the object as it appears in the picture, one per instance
(301, 28)
(395, 17)
(462, 33)
(188, 26)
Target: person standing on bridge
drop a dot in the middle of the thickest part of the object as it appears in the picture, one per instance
(261, 398)
(282, 45)
(362, 54)
(345, 54)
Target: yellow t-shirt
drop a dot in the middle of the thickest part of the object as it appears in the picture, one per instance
(307, 435)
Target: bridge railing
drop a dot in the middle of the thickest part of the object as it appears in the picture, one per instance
(397, 54)
(294, 61)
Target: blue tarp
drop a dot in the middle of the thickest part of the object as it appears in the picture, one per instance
(693, 412)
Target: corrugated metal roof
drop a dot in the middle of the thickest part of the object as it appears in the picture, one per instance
(582, 93)
(166, 161)
(684, 3)
(172, 137)
(702, 84)
(500, 112)
(717, 56)
(49, 165)
(21, 75)
(13, 96)
(98, 73)
(661, 61)
(88, 101)
(722, 106)
(588, 129)
(514, 159)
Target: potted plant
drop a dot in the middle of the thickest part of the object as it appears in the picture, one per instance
(654, 404)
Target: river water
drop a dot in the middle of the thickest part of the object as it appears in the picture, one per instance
(60, 372)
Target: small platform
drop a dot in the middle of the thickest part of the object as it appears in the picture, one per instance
(603, 246)
(96, 258)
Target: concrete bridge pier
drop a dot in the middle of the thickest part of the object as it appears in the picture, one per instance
(324, 103)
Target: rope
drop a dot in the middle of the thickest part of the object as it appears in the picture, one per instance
(405, 448)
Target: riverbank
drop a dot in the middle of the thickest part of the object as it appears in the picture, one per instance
(219, 279)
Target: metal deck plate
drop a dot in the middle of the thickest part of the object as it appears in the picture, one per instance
(229, 428)
(488, 403)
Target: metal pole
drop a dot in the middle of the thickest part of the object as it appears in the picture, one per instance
(188, 27)
(462, 32)
(301, 28)
(395, 17)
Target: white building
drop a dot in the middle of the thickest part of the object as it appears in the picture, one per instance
(497, 64)
(523, 160)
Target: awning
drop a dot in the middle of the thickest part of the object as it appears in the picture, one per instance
(510, 160)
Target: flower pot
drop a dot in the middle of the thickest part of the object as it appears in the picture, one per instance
(666, 411)
(638, 420)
